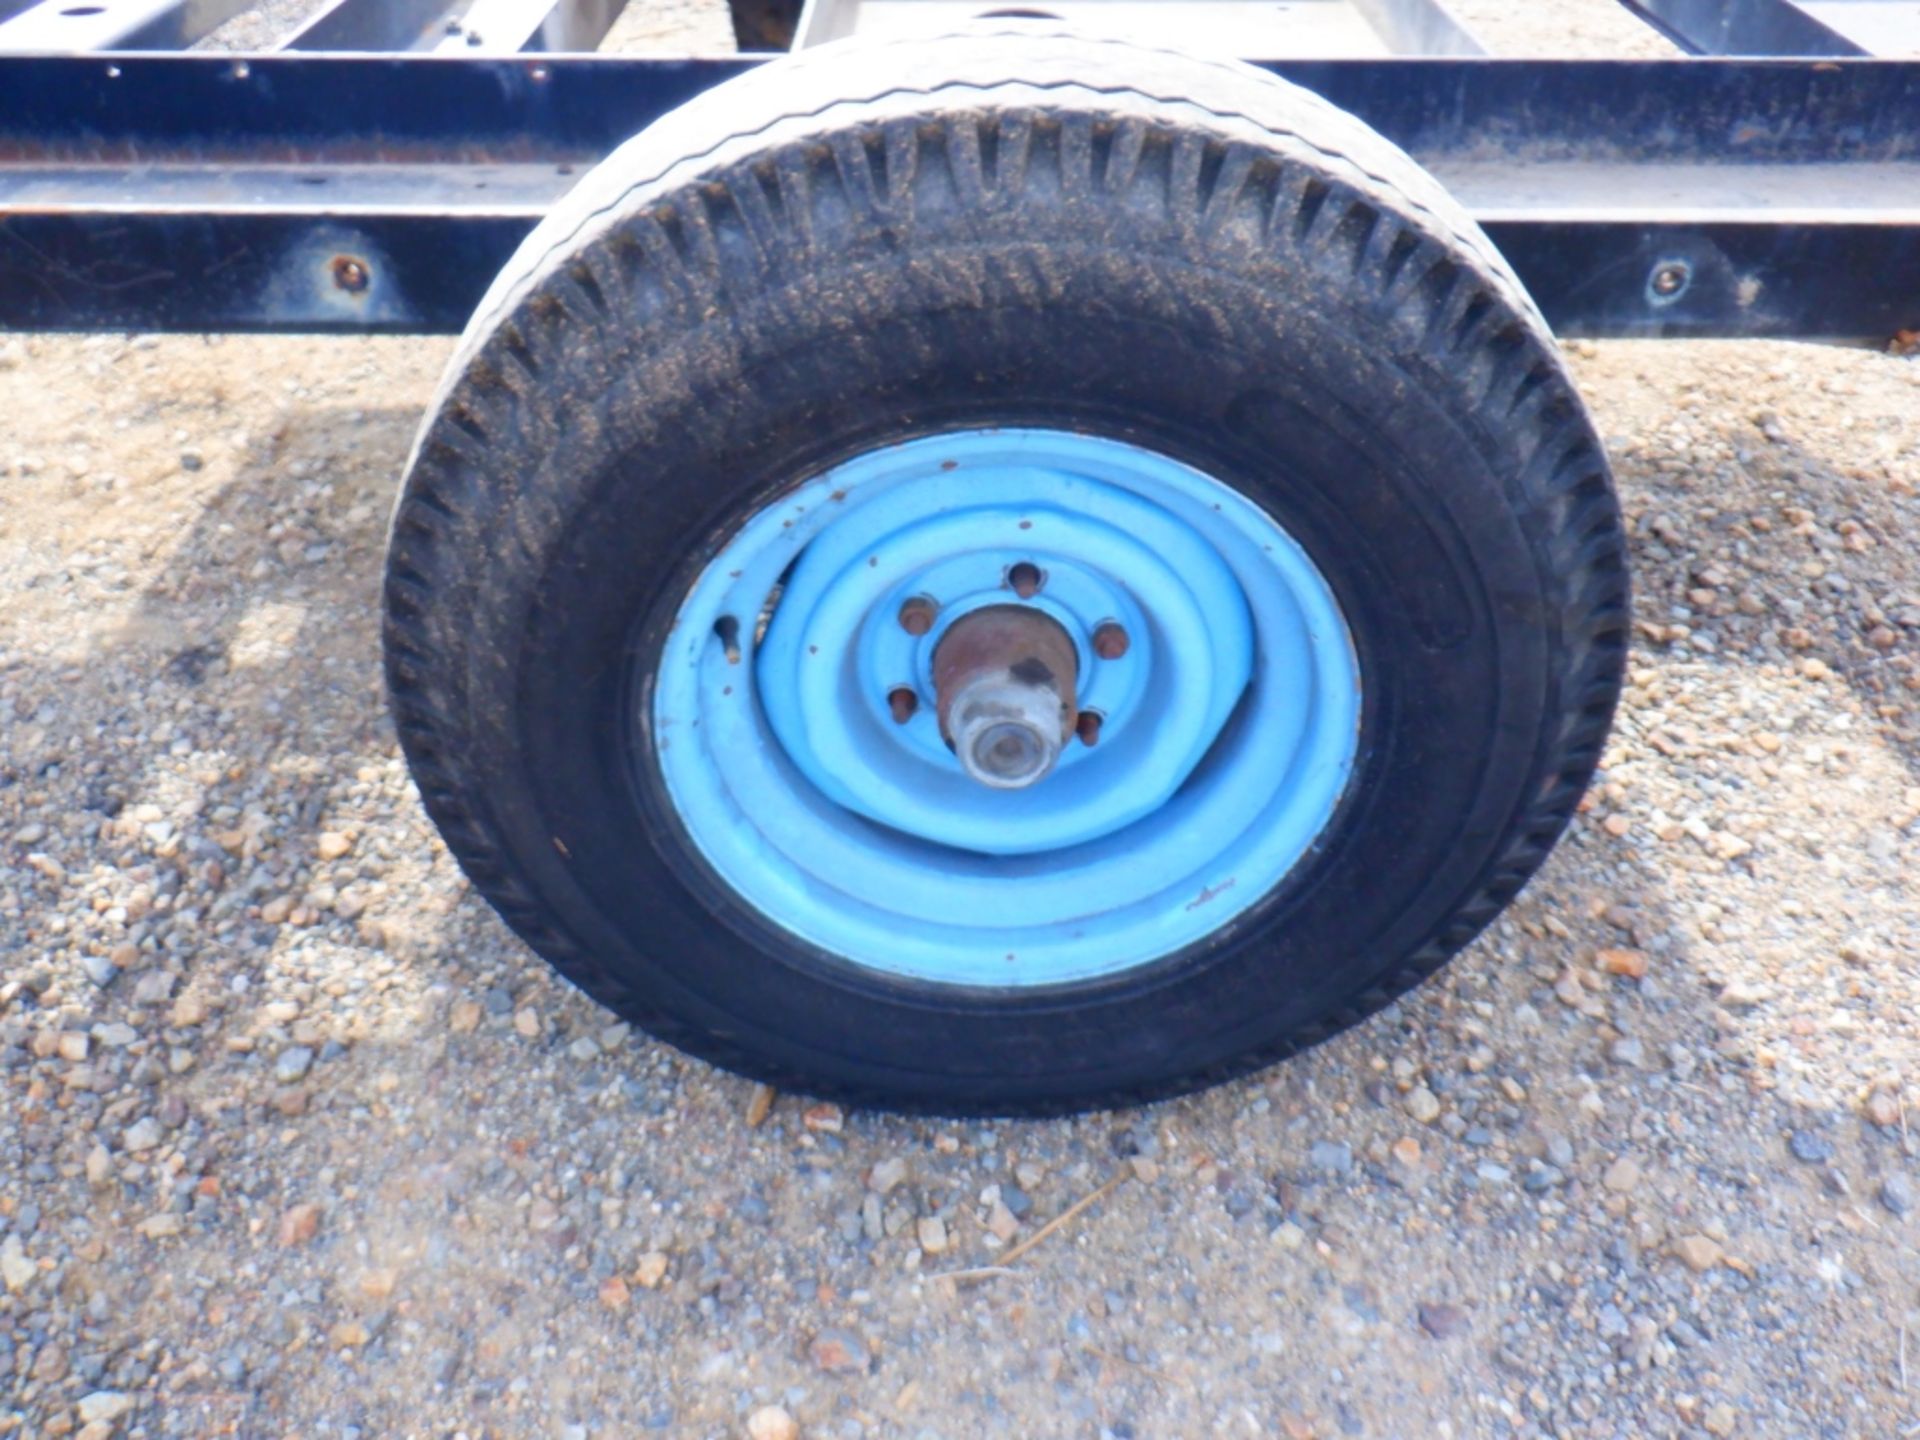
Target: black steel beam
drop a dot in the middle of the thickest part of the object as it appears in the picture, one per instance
(354, 194)
(56, 26)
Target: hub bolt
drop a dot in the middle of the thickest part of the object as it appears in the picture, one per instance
(916, 615)
(1025, 579)
(902, 702)
(1088, 728)
(1110, 641)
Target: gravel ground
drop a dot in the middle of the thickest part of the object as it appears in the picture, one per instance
(298, 1141)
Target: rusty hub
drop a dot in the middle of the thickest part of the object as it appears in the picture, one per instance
(1005, 677)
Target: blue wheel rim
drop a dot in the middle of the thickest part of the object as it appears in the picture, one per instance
(1230, 727)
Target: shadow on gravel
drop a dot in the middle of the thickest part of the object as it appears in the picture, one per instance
(281, 569)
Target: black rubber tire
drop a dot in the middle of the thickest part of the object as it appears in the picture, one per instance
(865, 243)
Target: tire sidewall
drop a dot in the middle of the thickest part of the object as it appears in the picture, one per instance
(1454, 689)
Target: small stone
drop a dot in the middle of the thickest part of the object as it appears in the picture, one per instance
(188, 1011)
(759, 1106)
(839, 1351)
(332, 844)
(155, 988)
(99, 1165)
(1443, 1321)
(1405, 1152)
(527, 1023)
(1289, 1236)
(1896, 1193)
(1623, 1176)
(1699, 1253)
(614, 1293)
(1810, 1148)
(142, 1135)
(824, 1119)
(1629, 1051)
(584, 1048)
(1423, 1105)
(887, 1176)
(379, 1284)
(347, 1335)
(1542, 1178)
(464, 1018)
(651, 1270)
(932, 1233)
(50, 1365)
(1630, 963)
(299, 1224)
(16, 1270)
(1331, 1157)
(1883, 1108)
(1720, 1419)
(100, 970)
(1001, 1222)
(293, 1064)
(292, 1102)
(770, 1422)
(277, 910)
(107, 1405)
(162, 1226)
(72, 1046)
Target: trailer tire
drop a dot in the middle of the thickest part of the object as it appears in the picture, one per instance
(1225, 333)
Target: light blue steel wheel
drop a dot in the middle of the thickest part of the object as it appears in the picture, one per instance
(1227, 729)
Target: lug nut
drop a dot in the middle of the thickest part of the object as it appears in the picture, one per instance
(1087, 727)
(1110, 642)
(1025, 579)
(916, 615)
(903, 703)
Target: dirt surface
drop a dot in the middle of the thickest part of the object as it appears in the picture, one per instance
(298, 1141)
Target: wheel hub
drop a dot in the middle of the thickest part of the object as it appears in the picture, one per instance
(1005, 676)
(955, 543)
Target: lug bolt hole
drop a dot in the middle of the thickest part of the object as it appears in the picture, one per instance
(1025, 579)
(916, 615)
(902, 702)
(1110, 642)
